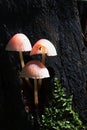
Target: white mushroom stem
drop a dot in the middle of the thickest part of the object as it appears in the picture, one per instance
(21, 59)
(35, 92)
(43, 61)
(22, 65)
(43, 54)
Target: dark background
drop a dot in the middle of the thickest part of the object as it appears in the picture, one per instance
(58, 21)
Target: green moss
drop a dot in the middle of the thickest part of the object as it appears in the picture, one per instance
(58, 114)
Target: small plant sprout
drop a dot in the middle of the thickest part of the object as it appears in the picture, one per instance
(36, 70)
(19, 42)
(43, 46)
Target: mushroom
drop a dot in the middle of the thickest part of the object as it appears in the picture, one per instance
(19, 42)
(36, 70)
(43, 46)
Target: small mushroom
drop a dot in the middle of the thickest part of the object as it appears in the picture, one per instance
(43, 46)
(36, 70)
(19, 42)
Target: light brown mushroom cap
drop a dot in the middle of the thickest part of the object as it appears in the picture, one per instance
(19, 42)
(49, 48)
(35, 69)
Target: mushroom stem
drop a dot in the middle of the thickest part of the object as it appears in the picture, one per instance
(43, 61)
(21, 59)
(22, 65)
(35, 92)
(43, 55)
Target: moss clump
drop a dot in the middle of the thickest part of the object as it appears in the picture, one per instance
(58, 114)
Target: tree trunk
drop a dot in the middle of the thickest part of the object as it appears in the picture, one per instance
(57, 21)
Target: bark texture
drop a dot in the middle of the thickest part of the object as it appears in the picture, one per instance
(57, 21)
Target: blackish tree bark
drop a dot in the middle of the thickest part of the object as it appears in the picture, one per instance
(57, 21)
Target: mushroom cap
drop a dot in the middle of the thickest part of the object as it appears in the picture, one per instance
(35, 69)
(49, 48)
(19, 42)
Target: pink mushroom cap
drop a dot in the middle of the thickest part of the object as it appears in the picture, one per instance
(19, 42)
(49, 48)
(35, 69)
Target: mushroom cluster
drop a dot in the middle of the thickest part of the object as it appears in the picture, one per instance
(34, 69)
